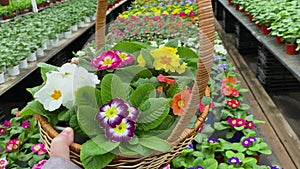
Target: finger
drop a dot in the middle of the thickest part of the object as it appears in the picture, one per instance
(60, 144)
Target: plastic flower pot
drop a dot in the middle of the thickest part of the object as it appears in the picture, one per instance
(13, 71)
(250, 18)
(278, 40)
(31, 57)
(23, 63)
(230, 2)
(265, 30)
(40, 52)
(242, 10)
(290, 49)
(237, 7)
(67, 34)
(257, 25)
(2, 78)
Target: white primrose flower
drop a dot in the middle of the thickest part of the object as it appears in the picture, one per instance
(153, 43)
(220, 49)
(61, 86)
(51, 95)
(80, 53)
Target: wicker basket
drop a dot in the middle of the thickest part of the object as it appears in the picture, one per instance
(181, 136)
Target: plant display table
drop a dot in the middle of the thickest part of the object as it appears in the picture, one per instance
(268, 45)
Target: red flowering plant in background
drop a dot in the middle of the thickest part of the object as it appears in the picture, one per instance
(20, 144)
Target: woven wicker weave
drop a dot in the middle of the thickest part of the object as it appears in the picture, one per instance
(181, 136)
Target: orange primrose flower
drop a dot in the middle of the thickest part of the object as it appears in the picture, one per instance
(180, 101)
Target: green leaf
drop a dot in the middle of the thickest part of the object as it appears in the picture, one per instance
(66, 115)
(33, 90)
(97, 161)
(73, 123)
(125, 151)
(130, 74)
(35, 107)
(87, 65)
(219, 126)
(155, 143)
(249, 161)
(172, 43)
(142, 93)
(206, 100)
(128, 47)
(243, 90)
(210, 164)
(112, 87)
(223, 166)
(144, 151)
(88, 95)
(244, 107)
(153, 113)
(187, 54)
(147, 57)
(177, 162)
(98, 146)
(87, 100)
(45, 68)
(174, 89)
(230, 134)
(163, 130)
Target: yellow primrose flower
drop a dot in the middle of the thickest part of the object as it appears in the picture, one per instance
(166, 13)
(157, 13)
(181, 68)
(141, 61)
(165, 59)
(187, 11)
(176, 11)
(147, 14)
(173, 50)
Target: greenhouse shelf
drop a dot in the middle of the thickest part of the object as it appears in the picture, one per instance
(291, 62)
(57, 55)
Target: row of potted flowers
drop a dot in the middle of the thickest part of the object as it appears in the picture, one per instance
(277, 17)
(234, 143)
(27, 37)
(137, 55)
(20, 7)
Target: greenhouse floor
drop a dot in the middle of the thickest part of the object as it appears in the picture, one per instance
(278, 109)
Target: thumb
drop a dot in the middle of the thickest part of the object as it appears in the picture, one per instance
(60, 144)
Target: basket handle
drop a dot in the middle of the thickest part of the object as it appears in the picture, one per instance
(100, 23)
(206, 33)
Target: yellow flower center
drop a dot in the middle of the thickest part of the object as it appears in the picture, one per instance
(233, 122)
(180, 103)
(111, 112)
(240, 122)
(36, 148)
(107, 61)
(56, 94)
(165, 60)
(2, 162)
(120, 128)
(122, 56)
